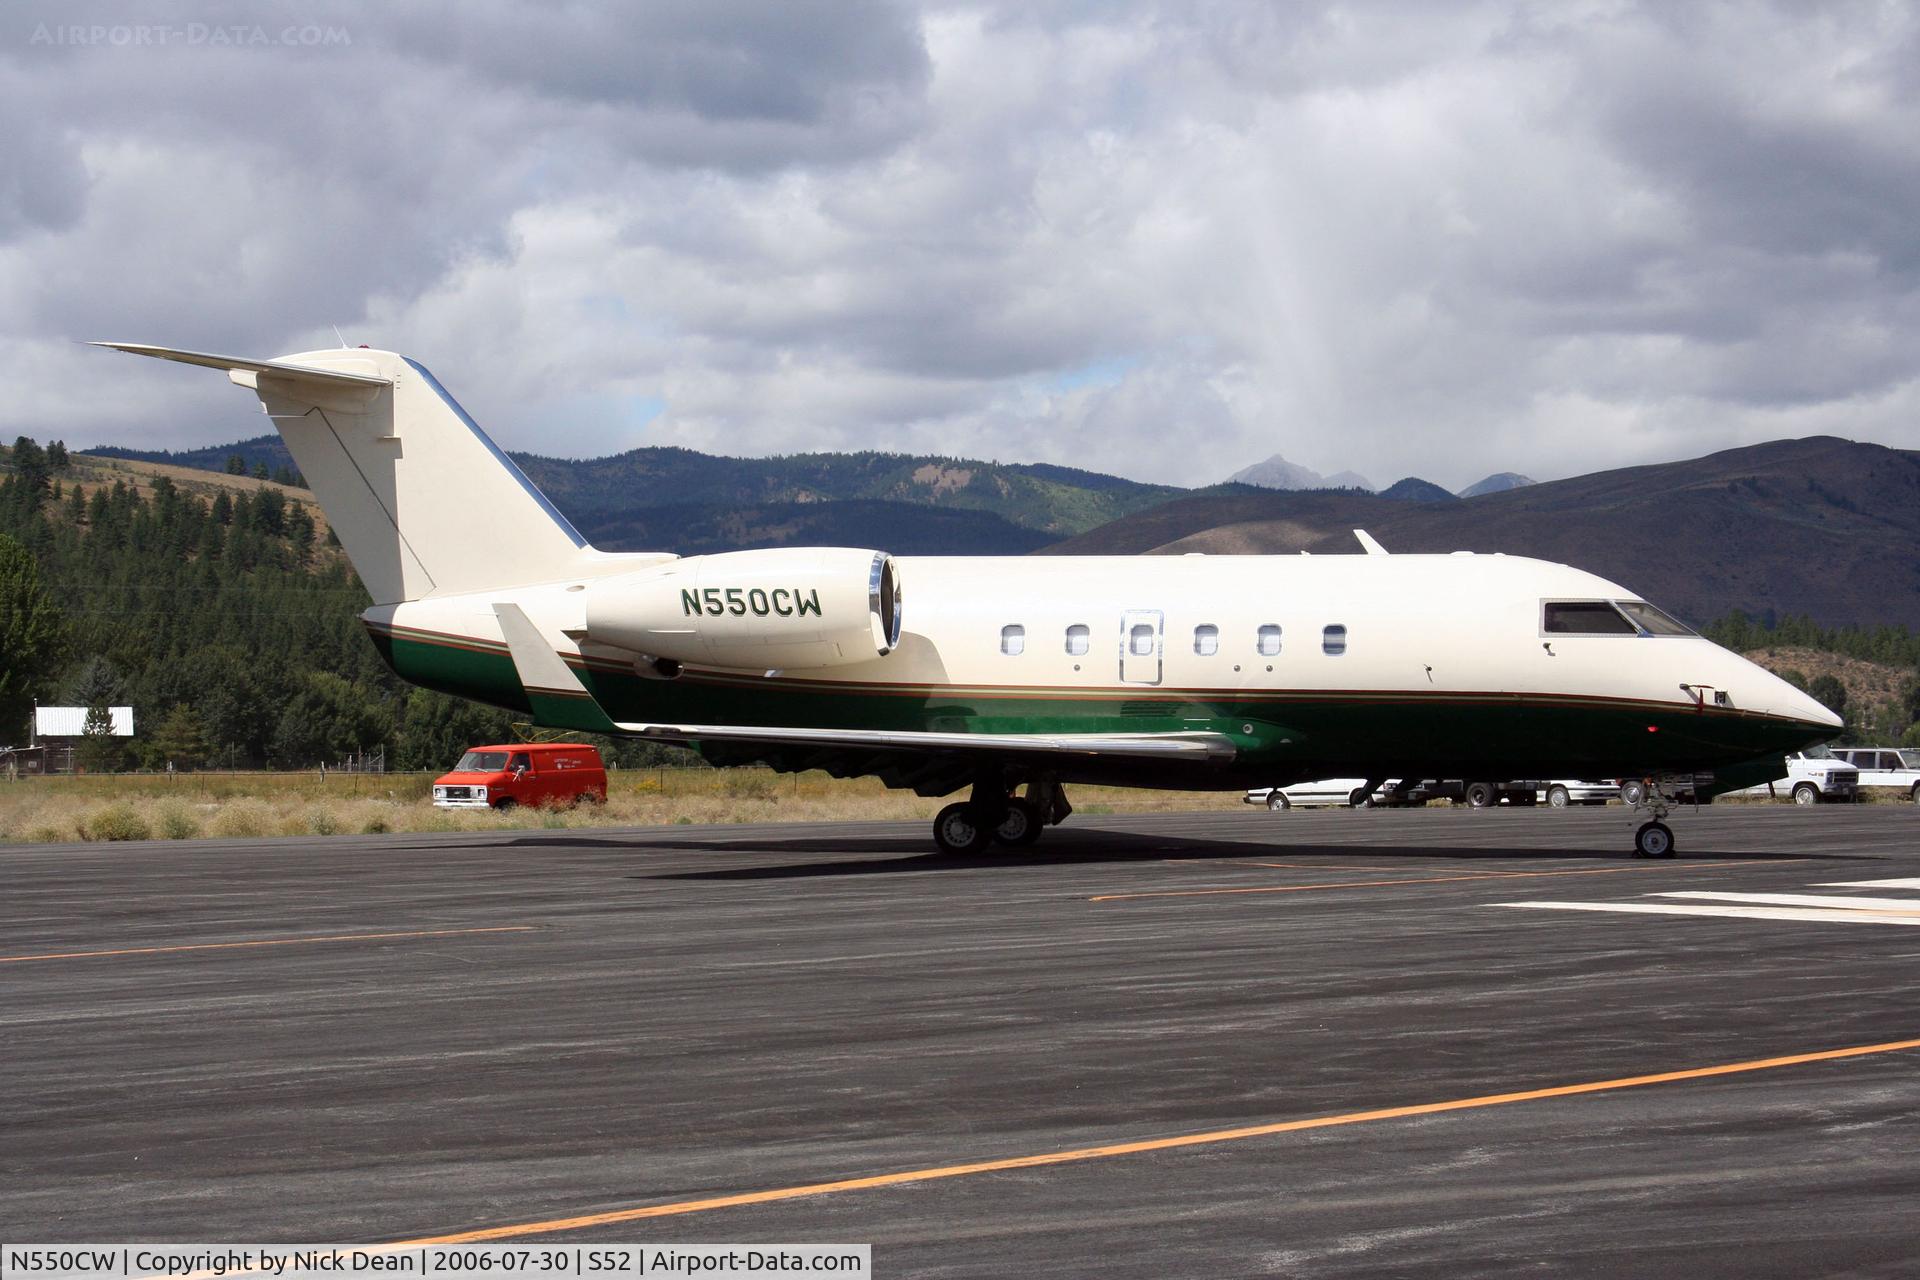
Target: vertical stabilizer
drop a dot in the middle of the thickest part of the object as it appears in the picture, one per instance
(424, 503)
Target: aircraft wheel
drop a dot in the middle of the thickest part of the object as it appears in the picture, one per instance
(1481, 795)
(1557, 798)
(1021, 826)
(956, 831)
(1806, 793)
(1653, 840)
(1275, 800)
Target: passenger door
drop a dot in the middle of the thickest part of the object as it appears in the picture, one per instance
(1140, 642)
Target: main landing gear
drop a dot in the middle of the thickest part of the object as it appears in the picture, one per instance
(993, 813)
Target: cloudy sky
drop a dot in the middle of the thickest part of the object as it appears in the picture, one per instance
(1159, 240)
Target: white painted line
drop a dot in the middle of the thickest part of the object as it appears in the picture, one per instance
(1802, 900)
(1738, 913)
(1911, 883)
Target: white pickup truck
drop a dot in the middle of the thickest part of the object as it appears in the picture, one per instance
(1888, 767)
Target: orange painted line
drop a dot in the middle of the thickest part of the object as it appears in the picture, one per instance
(264, 942)
(1347, 866)
(1113, 1150)
(1381, 884)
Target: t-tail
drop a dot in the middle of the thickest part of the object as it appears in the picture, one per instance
(424, 503)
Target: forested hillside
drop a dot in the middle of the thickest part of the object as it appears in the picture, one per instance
(664, 499)
(227, 623)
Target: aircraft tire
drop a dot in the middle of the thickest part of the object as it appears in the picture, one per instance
(1558, 798)
(1653, 840)
(1021, 825)
(956, 831)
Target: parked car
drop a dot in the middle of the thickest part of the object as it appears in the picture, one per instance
(1483, 793)
(1394, 793)
(1813, 776)
(1561, 792)
(1681, 788)
(1886, 767)
(1306, 795)
(530, 773)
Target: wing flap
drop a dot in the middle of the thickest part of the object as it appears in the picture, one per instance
(1140, 746)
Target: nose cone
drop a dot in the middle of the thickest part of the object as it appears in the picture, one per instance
(1778, 698)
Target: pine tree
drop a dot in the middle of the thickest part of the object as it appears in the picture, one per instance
(100, 751)
(180, 741)
(33, 635)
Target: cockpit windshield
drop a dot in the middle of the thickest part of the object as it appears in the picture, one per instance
(481, 762)
(1608, 618)
(1653, 621)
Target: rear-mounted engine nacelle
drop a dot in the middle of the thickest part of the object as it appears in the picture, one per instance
(788, 607)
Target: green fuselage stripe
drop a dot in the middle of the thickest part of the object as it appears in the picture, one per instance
(1315, 733)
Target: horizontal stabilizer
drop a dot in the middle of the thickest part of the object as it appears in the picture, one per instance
(231, 364)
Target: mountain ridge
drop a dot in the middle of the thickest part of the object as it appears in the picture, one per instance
(1819, 526)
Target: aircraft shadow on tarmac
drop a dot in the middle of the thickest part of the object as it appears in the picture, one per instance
(862, 855)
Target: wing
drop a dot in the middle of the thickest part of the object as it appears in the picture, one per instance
(558, 698)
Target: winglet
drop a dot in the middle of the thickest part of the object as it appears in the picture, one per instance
(554, 691)
(1367, 541)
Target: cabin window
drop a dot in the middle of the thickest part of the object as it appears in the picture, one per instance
(1079, 636)
(1206, 639)
(1269, 643)
(1013, 639)
(1333, 640)
(1140, 639)
(1651, 620)
(1584, 618)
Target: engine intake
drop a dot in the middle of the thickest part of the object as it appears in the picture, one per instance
(784, 608)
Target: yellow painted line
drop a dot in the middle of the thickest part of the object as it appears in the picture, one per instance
(264, 942)
(1381, 884)
(1079, 1154)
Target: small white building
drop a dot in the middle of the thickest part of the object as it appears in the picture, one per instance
(71, 722)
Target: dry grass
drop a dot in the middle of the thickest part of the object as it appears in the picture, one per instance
(253, 806)
(259, 805)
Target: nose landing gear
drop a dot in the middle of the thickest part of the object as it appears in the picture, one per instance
(1655, 797)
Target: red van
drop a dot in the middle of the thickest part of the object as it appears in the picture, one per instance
(549, 773)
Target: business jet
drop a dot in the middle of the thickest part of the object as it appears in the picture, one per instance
(1006, 678)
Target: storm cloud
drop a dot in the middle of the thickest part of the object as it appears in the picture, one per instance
(1158, 240)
